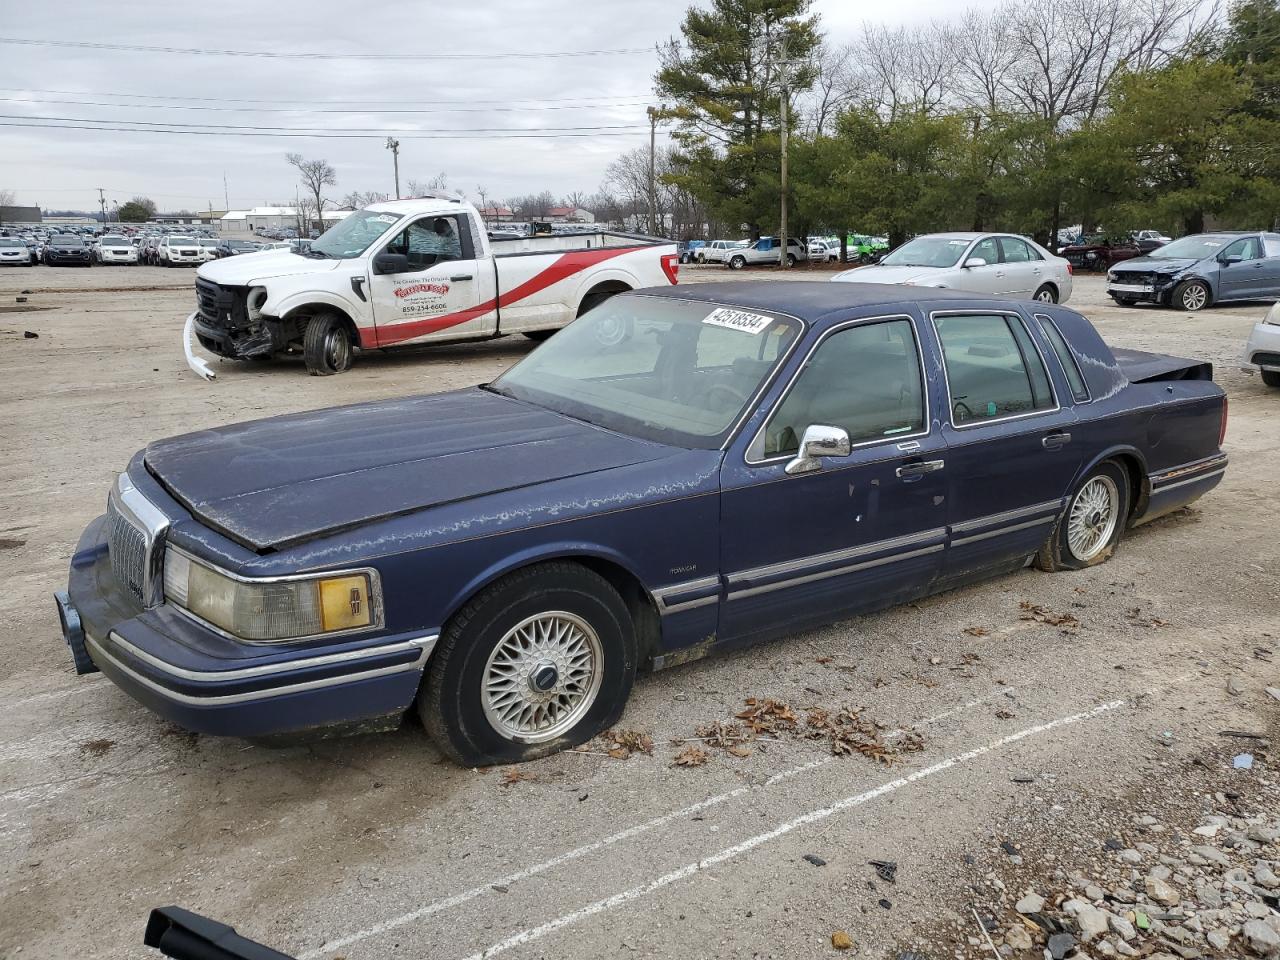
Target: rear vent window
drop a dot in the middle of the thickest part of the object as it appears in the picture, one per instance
(1079, 391)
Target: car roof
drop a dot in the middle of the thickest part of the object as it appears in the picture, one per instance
(808, 300)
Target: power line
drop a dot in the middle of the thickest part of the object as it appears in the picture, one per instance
(187, 106)
(381, 131)
(361, 100)
(276, 55)
(100, 126)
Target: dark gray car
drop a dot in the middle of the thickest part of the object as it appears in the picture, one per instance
(1199, 270)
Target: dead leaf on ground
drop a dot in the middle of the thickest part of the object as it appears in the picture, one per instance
(97, 748)
(768, 716)
(622, 743)
(691, 757)
(1033, 611)
(513, 775)
(739, 751)
(977, 631)
(1003, 715)
(822, 660)
(1135, 616)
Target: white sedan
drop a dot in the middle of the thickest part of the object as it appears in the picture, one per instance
(999, 264)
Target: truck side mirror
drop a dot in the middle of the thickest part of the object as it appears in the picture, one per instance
(385, 263)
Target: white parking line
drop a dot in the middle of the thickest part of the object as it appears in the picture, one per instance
(579, 852)
(688, 870)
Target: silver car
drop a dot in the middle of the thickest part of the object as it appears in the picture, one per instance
(998, 264)
(1262, 352)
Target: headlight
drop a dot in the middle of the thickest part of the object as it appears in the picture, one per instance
(274, 609)
(1273, 315)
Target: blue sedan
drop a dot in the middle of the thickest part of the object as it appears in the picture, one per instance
(1197, 271)
(677, 472)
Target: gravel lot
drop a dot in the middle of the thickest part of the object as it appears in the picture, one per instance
(375, 848)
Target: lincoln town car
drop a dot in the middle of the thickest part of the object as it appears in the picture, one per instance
(679, 471)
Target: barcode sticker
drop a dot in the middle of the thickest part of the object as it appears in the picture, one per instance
(752, 323)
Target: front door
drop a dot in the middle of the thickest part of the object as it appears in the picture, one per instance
(1011, 458)
(862, 532)
(1244, 272)
(990, 278)
(1023, 267)
(444, 292)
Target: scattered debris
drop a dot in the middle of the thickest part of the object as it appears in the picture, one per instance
(1061, 944)
(1023, 778)
(1233, 687)
(886, 904)
(1273, 692)
(499, 887)
(622, 743)
(691, 757)
(1242, 761)
(30, 335)
(886, 870)
(816, 860)
(1242, 734)
(977, 631)
(513, 775)
(1135, 616)
(1033, 611)
(841, 940)
(97, 748)
(1003, 715)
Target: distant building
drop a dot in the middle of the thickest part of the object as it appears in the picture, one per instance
(570, 215)
(17, 214)
(497, 214)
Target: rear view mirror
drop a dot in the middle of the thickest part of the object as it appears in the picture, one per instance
(974, 262)
(819, 441)
(385, 263)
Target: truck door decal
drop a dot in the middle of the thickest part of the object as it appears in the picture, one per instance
(565, 266)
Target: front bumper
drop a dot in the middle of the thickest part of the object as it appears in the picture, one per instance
(208, 683)
(1262, 352)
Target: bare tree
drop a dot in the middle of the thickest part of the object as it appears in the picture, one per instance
(355, 199)
(984, 50)
(8, 198)
(906, 69)
(420, 188)
(836, 86)
(316, 175)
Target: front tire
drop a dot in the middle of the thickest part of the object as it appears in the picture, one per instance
(327, 347)
(1093, 523)
(791, 259)
(1271, 378)
(1046, 293)
(1191, 295)
(737, 263)
(540, 661)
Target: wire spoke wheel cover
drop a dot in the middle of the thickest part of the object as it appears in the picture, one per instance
(1092, 518)
(542, 677)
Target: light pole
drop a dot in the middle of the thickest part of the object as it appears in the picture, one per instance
(394, 146)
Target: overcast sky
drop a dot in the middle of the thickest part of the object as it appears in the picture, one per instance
(62, 168)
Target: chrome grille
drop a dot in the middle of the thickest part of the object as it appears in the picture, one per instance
(127, 547)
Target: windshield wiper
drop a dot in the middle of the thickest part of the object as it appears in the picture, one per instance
(318, 254)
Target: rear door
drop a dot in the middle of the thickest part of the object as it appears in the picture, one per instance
(447, 292)
(1010, 452)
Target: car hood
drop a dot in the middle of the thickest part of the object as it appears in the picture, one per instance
(272, 483)
(1157, 264)
(246, 270)
(884, 274)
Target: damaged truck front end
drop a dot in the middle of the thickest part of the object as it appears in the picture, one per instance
(229, 322)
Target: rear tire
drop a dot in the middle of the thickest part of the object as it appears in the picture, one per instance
(1046, 294)
(1191, 295)
(327, 345)
(1092, 524)
(1271, 378)
(490, 698)
(791, 259)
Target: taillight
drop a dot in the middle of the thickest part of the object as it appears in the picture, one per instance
(1069, 270)
(671, 266)
(1222, 429)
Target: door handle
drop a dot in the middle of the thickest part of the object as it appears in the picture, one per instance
(1055, 441)
(459, 277)
(919, 468)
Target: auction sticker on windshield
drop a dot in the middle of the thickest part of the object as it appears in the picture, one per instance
(752, 323)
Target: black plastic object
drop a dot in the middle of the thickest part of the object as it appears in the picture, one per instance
(184, 935)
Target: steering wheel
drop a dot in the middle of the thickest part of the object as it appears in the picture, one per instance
(735, 396)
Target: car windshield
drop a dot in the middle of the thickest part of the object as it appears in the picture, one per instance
(354, 235)
(927, 252)
(6, 242)
(175, 240)
(68, 242)
(1191, 248)
(208, 242)
(114, 242)
(673, 371)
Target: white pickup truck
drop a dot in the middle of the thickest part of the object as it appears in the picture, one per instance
(409, 272)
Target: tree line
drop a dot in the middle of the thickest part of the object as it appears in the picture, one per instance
(1030, 117)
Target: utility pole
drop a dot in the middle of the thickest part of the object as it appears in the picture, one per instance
(226, 197)
(653, 170)
(394, 146)
(102, 202)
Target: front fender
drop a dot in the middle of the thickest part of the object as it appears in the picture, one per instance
(283, 304)
(556, 550)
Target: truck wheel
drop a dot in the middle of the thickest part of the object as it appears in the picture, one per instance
(326, 346)
(1271, 378)
(737, 263)
(1191, 295)
(791, 259)
(1094, 521)
(540, 661)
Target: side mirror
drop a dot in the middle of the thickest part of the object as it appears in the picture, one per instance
(819, 441)
(974, 262)
(385, 263)
(1226, 261)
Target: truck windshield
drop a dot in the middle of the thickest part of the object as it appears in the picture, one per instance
(354, 235)
(674, 371)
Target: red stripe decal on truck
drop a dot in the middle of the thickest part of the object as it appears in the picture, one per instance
(562, 268)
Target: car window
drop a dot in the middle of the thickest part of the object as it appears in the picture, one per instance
(429, 240)
(1075, 379)
(865, 379)
(986, 249)
(1013, 250)
(1271, 245)
(1246, 248)
(993, 368)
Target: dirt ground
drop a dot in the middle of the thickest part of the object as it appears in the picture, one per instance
(376, 848)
